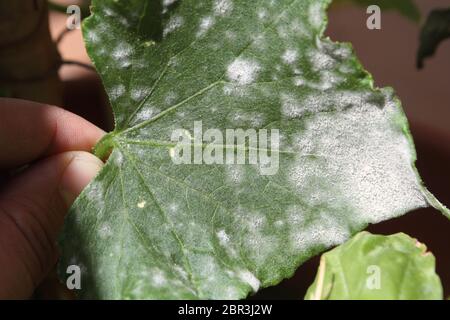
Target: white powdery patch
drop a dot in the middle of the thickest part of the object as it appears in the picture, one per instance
(243, 71)
(194, 235)
(279, 223)
(320, 60)
(234, 90)
(298, 82)
(259, 41)
(137, 94)
(158, 278)
(147, 278)
(167, 3)
(170, 98)
(316, 14)
(290, 106)
(326, 232)
(223, 237)
(342, 52)
(95, 194)
(174, 23)
(387, 183)
(230, 35)
(174, 62)
(105, 231)
(324, 229)
(294, 108)
(182, 114)
(260, 244)
(250, 279)
(231, 293)
(179, 270)
(256, 221)
(368, 158)
(147, 113)
(262, 14)
(329, 79)
(249, 119)
(117, 158)
(234, 173)
(109, 12)
(92, 36)
(346, 69)
(290, 56)
(297, 71)
(141, 204)
(123, 21)
(207, 268)
(173, 208)
(336, 100)
(205, 24)
(116, 92)
(295, 216)
(282, 31)
(223, 7)
(139, 64)
(122, 54)
(299, 29)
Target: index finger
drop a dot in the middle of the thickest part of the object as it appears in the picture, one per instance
(30, 131)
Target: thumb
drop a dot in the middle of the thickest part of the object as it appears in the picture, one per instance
(32, 210)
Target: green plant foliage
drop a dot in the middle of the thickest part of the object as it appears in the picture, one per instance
(148, 228)
(369, 266)
(434, 32)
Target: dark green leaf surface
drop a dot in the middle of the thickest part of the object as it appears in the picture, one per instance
(147, 228)
(434, 32)
(372, 267)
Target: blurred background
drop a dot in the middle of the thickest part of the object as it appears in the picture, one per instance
(389, 55)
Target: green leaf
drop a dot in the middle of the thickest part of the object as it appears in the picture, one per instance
(370, 267)
(434, 32)
(148, 228)
(405, 7)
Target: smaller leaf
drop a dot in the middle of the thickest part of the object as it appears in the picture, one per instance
(435, 30)
(405, 7)
(372, 267)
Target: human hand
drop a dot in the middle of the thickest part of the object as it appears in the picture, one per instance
(53, 146)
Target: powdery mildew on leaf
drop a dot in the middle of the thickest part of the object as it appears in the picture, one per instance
(147, 228)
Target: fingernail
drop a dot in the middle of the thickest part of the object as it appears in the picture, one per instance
(82, 168)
